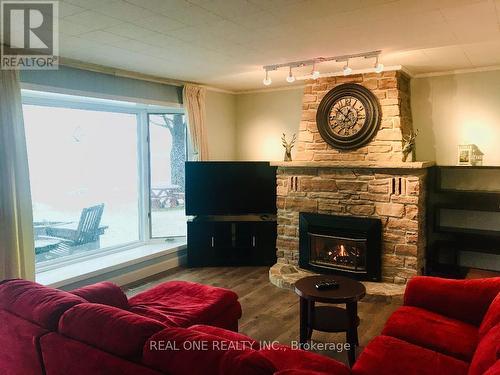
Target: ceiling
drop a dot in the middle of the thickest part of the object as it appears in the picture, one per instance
(225, 43)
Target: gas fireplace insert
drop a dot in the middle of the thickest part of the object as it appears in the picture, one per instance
(343, 245)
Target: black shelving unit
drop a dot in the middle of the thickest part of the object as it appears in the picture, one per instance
(446, 242)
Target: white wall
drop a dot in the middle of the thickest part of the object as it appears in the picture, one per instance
(457, 109)
(261, 119)
(221, 125)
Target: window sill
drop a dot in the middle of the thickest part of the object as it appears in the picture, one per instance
(80, 271)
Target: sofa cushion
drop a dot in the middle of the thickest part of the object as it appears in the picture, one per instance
(465, 300)
(181, 351)
(65, 356)
(492, 317)
(104, 293)
(18, 342)
(487, 352)
(227, 335)
(37, 303)
(433, 331)
(391, 356)
(285, 358)
(495, 369)
(109, 328)
(183, 303)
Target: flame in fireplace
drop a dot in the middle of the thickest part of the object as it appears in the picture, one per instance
(342, 252)
(343, 255)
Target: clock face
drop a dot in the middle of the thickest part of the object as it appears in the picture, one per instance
(348, 116)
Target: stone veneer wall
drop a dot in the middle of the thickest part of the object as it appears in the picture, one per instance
(393, 92)
(396, 196)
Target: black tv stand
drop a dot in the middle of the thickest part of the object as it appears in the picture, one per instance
(231, 240)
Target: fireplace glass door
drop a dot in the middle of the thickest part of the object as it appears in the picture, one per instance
(337, 252)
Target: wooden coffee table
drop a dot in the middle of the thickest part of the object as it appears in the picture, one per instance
(330, 318)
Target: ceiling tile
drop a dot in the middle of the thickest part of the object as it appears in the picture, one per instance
(228, 9)
(92, 20)
(67, 9)
(162, 24)
(131, 31)
(73, 29)
(483, 54)
(123, 11)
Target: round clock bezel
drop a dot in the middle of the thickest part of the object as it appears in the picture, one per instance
(370, 126)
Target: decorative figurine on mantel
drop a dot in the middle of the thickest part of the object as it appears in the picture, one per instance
(408, 146)
(288, 146)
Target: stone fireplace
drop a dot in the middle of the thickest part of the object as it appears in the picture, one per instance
(369, 182)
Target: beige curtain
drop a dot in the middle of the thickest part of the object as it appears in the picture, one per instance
(194, 102)
(17, 258)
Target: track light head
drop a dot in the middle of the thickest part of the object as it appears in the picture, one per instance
(347, 69)
(267, 81)
(314, 73)
(379, 67)
(290, 78)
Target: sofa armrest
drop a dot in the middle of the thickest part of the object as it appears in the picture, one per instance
(104, 293)
(464, 300)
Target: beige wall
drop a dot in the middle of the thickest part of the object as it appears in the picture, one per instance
(261, 119)
(457, 109)
(221, 125)
(448, 110)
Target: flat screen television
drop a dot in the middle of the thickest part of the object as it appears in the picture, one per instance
(230, 188)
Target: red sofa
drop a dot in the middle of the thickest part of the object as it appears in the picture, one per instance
(445, 327)
(97, 330)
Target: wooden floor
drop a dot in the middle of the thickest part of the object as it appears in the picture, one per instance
(271, 313)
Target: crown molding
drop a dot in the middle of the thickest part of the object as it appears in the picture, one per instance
(458, 71)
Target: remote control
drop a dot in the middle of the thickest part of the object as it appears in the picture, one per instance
(326, 285)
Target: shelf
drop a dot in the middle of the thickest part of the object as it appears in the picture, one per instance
(470, 243)
(476, 193)
(353, 164)
(478, 206)
(469, 167)
(467, 231)
(469, 203)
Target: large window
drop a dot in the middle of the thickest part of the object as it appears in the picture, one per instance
(104, 174)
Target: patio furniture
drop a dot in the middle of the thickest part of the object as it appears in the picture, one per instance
(166, 196)
(45, 245)
(88, 229)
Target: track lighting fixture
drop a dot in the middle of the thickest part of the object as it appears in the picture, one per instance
(267, 81)
(290, 78)
(315, 74)
(347, 69)
(379, 67)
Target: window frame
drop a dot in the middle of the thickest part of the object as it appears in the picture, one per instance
(186, 140)
(142, 112)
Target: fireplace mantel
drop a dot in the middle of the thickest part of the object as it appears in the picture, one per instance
(353, 164)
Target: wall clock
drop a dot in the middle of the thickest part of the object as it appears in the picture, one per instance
(348, 116)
